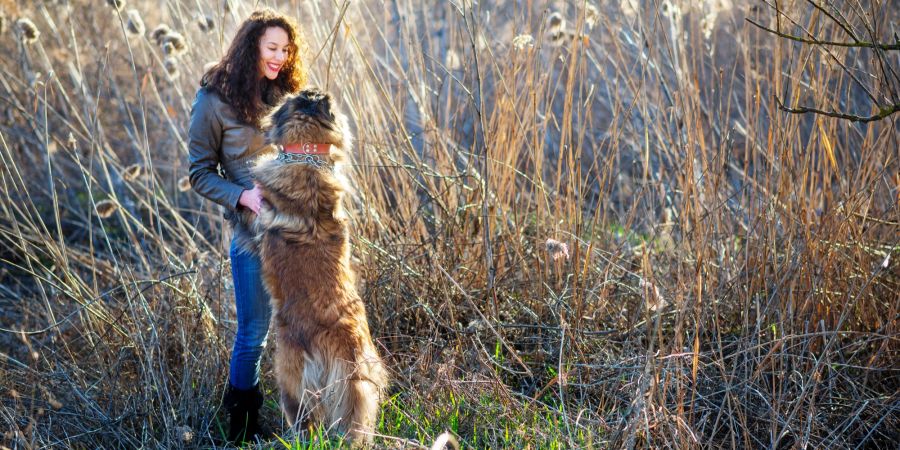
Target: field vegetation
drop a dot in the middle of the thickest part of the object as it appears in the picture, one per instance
(576, 224)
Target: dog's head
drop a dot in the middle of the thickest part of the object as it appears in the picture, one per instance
(294, 191)
(310, 116)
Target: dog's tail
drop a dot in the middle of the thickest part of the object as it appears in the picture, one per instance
(352, 395)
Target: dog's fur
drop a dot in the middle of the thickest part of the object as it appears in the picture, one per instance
(326, 365)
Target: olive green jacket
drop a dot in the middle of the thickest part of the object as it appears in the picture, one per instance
(221, 151)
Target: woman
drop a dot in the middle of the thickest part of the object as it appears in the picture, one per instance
(260, 67)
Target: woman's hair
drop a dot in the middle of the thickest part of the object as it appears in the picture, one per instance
(236, 77)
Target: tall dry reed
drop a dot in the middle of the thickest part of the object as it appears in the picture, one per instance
(591, 220)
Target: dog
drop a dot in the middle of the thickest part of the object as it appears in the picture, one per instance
(327, 367)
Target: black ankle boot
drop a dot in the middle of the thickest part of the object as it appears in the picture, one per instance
(243, 410)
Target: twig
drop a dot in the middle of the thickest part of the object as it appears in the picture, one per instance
(882, 113)
(860, 44)
(835, 20)
(468, 297)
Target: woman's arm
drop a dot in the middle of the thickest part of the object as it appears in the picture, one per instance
(204, 148)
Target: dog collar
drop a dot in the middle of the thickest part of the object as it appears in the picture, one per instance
(310, 159)
(307, 148)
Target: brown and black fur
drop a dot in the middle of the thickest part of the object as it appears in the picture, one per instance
(326, 365)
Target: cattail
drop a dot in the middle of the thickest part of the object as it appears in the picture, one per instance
(106, 208)
(206, 24)
(522, 41)
(28, 31)
(184, 184)
(670, 10)
(171, 65)
(555, 22)
(117, 4)
(54, 403)
(591, 15)
(558, 38)
(177, 41)
(630, 7)
(452, 60)
(159, 32)
(134, 26)
(557, 249)
(132, 172)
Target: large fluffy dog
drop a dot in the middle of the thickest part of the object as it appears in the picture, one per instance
(326, 365)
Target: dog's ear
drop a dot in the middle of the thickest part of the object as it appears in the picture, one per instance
(326, 107)
(279, 116)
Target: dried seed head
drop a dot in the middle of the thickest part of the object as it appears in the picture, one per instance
(452, 60)
(106, 208)
(132, 172)
(555, 22)
(630, 7)
(184, 184)
(168, 48)
(653, 300)
(117, 4)
(179, 44)
(557, 249)
(670, 10)
(186, 434)
(522, 41)
(206, 24)
(134, 26)
(28, 31)
(171, 65)
(54, 403)
(159, 32)
(591, 15)
(557, 38)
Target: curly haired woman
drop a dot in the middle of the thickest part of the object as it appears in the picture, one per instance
(260, 67)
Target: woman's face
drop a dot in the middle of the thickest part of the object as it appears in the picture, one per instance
(274, 46)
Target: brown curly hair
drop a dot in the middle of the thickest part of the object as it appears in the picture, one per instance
(236, 77)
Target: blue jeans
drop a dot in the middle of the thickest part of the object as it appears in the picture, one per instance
(253, 312)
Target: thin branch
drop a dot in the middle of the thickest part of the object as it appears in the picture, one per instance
(861, 44)
(882, 113)
(835, 20)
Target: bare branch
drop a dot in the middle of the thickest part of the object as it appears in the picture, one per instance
(835, 20)
(860, 44)
(882, 113)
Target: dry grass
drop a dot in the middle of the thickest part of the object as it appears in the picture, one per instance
(730, 276)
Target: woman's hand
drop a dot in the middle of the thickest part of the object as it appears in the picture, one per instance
(251, 199)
